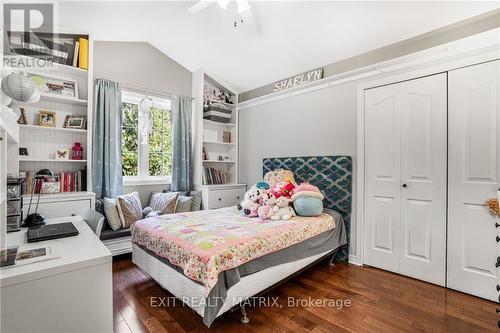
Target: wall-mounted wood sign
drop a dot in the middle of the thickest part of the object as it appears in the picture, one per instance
(298, 80)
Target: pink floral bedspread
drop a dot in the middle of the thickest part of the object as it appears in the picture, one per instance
(205, 243)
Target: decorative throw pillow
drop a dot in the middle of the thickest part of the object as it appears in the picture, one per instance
(165, 203)
(196, 203)
(111, 213)
(129, 208)
(183, 204)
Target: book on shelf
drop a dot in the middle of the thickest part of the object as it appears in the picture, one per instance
(83, 53)
(73, 181)
(63, 49)
(212, 176)
(225, 137)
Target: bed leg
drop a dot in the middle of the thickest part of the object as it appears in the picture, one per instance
(244, 319)
(332, 259)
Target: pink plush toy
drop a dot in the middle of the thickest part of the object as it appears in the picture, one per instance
(266, 210)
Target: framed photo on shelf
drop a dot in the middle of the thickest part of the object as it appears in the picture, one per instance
(75, 121)
(23, 151)
(46, 118)
(62, 154)
(51, 187)
(55, 85)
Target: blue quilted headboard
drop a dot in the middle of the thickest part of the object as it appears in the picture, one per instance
(331, 174)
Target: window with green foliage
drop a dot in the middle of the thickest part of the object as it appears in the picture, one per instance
(151, 156)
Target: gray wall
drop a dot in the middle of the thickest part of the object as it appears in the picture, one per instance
(141, 65)
(321, 122)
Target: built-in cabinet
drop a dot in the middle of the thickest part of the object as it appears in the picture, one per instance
(431, 161)
(215, 143)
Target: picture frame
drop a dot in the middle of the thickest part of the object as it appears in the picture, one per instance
(54, 85)
(75, 121)
(51, 187)
(23, 151)
(62, 154)
(46, 118)
(22, 120)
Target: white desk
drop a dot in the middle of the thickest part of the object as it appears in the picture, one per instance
(73, 293)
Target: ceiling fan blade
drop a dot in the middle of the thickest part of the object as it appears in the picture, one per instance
(200, 5)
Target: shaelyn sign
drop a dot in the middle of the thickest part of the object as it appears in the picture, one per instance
(298, 80)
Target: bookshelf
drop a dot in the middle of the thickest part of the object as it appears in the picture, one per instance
(215, 160)
(43, 142)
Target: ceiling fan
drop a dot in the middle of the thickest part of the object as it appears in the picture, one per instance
(242, 5)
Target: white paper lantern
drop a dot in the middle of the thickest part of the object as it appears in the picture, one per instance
(20, 88)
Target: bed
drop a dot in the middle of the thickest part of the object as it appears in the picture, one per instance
(214, 260)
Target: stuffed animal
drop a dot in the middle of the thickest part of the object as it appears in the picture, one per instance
(266, 210)
(284, 189)
(278, 176)
(307, 200)
(493, 206)
(282, 209)
(250, 202)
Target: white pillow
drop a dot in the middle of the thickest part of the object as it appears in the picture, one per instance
(111, 212)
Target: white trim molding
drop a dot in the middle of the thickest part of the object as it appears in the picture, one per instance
(147, 180)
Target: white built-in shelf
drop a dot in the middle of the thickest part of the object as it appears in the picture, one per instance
(56, 129)
(74, 194)
(212, 123)
(21, 159)
(63, 99)
(222, 185)
(71, 70)
(217, 161)
(224, 103)
(219, 143)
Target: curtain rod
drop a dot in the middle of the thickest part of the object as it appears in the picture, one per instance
(146, 91)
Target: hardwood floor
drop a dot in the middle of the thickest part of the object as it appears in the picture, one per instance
(380, 302)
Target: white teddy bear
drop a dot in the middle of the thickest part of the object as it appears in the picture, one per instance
(250, 202)
(282, 210)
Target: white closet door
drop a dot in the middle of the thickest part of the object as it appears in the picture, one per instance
(474, 153)
(423, 177)
(405, 144)
(383, 177)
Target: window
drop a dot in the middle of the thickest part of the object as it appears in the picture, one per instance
(146, 156)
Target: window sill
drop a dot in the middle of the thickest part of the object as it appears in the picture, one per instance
(153, 180)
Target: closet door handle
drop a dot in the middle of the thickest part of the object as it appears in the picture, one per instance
(497, 264)
(498, 289)
(497, 225)
(498, 239)
(404, 185)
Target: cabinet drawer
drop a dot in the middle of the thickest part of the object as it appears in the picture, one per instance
(60, 209)
(225, 198)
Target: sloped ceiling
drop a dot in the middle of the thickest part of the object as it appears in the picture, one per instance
(282, 38)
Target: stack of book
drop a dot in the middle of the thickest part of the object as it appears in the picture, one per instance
(212, 176)
(225, 137)
(63, 182)
(69, 50)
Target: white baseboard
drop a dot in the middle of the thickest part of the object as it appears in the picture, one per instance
(353, 259)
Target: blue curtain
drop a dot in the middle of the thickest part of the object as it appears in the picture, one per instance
(107, 179)
(181, 143)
